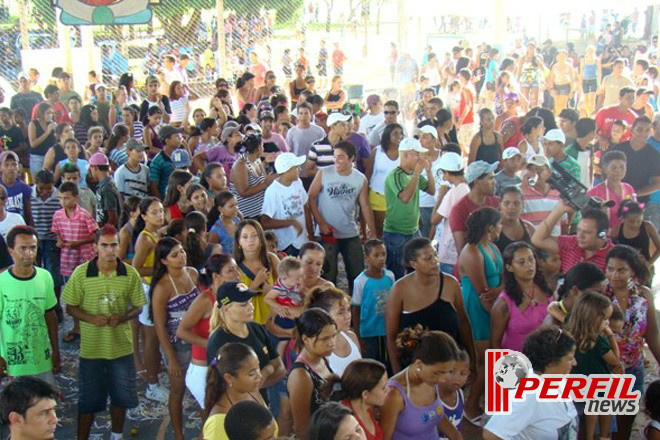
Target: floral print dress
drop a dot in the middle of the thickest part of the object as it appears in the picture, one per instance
(631, 338)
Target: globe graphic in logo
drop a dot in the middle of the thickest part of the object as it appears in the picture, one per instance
(509, 369)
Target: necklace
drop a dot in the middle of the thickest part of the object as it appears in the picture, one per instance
(532, 300)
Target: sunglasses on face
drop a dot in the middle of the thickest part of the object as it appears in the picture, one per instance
(390, 112)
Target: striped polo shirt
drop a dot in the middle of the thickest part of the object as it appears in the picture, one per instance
(80, 226)
(537, 207)
(43, 212)
(99, 294)
(572, 254)
(321, 153)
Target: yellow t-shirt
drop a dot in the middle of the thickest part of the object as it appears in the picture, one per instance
(261, 309)
(214, 428)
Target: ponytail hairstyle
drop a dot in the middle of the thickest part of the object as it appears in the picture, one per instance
(206, 173)
(229, 360)
(359, 376)
(175, 227)
(163, 249)
(195, 224)
(118, 132)
(630, 207)
(176, 179)
(478, 223)
(130, 205)
(585, 319)
(430, 347)
(325, 298)
(215, 265)
(581, 276)
(310, 324)
(218, 202)
(144, 205)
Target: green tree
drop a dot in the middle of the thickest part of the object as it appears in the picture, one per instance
(173, 13)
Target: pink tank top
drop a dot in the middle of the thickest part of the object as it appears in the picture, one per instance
(521, 324)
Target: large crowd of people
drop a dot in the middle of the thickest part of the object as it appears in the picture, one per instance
(204, 244)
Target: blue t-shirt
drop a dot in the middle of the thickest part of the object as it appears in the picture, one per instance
(17, 195)
(82, 165)
(654, 197)
(371, 295)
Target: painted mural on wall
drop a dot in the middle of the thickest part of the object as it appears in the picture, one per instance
(103, 12)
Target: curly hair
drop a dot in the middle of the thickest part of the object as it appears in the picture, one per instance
(546, 346)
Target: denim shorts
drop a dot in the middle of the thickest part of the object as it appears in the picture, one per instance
(100, 378)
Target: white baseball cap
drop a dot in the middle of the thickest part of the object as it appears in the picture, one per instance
(411, 144)
(337, 117)
(429, 129)
(555, 135)
(285, 161)
(510, 152)
(451, 161)
(539, 160)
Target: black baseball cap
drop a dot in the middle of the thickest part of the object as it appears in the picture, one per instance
(233, 291)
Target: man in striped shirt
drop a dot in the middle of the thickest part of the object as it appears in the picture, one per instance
(131, 178)
(45, 203)
(321, 153)
(539, 198)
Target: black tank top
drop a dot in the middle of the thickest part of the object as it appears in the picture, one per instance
(503, 241)
(42, 149)
(488, 152)
(333, 98)
(640, 242)
(296, 91)
(440, 315)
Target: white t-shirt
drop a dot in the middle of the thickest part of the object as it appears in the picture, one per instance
(369, 121)
(9, 222)
(427, 200)
(286, 203)
(446, 246)
(584, 160)
(534, 420)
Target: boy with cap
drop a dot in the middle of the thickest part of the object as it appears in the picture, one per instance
(155, 98)
(553, 145)
(285, 205)
(480, 177)
(374, 117)
(453, 173)
(402, 186)
(108, 198)
(539, 198)
(18, 192)
(131, 178)
(162, 166)
(321, 153)
(181, 159)
(25, 98)
(512, 162)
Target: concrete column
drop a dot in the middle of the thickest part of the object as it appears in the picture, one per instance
(222, 50)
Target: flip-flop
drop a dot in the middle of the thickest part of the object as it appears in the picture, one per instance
(71, 337)
(476, 421)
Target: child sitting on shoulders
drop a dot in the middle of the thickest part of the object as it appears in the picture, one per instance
(285, 299)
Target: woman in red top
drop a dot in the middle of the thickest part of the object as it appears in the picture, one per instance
(362, 387)
(175, 202)
(195, 325)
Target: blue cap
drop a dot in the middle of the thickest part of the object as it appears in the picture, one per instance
(477, 169)
(180, 158)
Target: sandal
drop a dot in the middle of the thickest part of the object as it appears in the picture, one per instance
(142, 374)
(71, 336)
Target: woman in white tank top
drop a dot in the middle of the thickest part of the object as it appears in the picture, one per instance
(382, 160)
(338, 305)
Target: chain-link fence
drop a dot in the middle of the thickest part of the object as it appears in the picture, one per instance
(218, 36)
